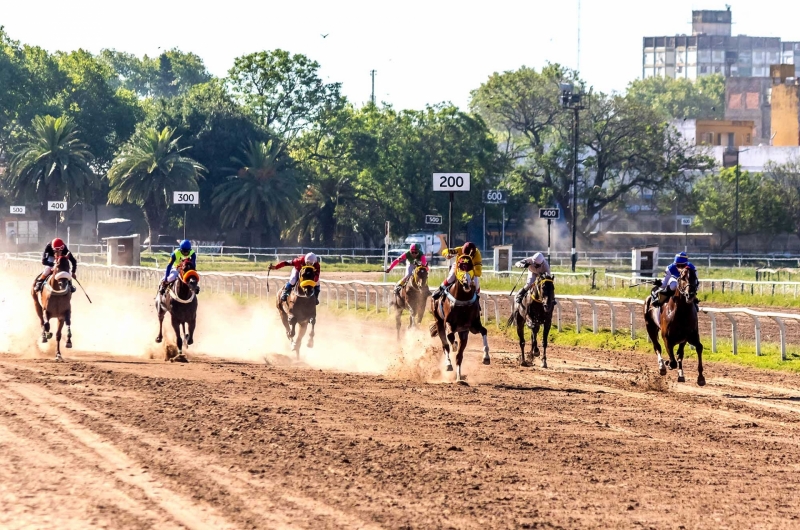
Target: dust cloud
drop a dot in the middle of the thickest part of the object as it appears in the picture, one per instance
(123, 322)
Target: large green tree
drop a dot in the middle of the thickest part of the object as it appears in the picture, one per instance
(761, 207)
(147, 170)
(284, 91)
(681, 98)
(264, 190)
(786, 178)
(51, 164)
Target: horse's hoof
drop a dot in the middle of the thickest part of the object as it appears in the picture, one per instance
(701, 381)
(462, 382)
(535, 353)
(49, 335)
(59, 358)
(662, 371)
(525, 364)
(158, 340)
(673, 365)
(681, 379)
(69, 344)
(311, 344)
(189, 342)
(449, 367)
(487, 360)
(544, 364)
(44, 340)
(181, 358)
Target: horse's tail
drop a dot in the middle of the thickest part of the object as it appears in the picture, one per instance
(511, 318)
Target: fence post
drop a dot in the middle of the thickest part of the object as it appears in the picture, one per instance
(734, 333)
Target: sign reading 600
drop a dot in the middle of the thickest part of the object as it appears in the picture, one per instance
(186, 197)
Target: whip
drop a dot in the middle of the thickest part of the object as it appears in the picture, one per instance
(517, 282)
(82, 289)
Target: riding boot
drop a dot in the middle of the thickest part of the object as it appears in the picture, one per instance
(163, 287)
(398, 288)
(38, 285)
(72, 288)
(521, 295)
(286, 291)
(316, 294)
(439, 292)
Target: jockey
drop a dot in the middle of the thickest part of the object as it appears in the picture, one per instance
(537, 266)
(414, 257)
(670, 281)
(467, 249)
(298, 263)
(56, 248)
(183, 251)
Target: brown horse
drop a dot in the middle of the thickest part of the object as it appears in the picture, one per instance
(300, 308)
(677, 323)
(412, 297)
(181, 302)
(459, 312)
(55, 302)
(535, 310)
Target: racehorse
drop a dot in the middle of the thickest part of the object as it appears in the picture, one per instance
(535, 310)
(300, 308)
(56, 302)
(677, 323)
(459, 312)
(412, 297)
(181, 302)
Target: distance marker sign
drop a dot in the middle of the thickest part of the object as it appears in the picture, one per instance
(451, 182)
(550, 213)
(186, 197)
(433, 219)
(18, 210)
(57, 206)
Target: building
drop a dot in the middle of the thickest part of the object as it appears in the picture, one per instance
(729, 133)
(711, 49)
(785, 107)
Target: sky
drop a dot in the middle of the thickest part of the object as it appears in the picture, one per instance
(424, 52)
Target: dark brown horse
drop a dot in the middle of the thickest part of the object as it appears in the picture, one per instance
(677, 323)
(534, 311)
(55, 302)
(300, 309)
(181, 302)
(459, 312)
(412, 297)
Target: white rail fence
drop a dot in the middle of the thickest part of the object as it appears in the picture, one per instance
(722, 285)
(376, 296)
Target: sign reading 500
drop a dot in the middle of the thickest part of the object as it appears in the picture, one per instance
(451, 182)
(186, 197)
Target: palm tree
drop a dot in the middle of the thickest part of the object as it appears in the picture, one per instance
(146, 172)
(263, 190)
(325, 204)
(51, 164)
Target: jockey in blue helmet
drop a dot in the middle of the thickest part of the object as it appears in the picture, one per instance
(670, 281)
(183, 251)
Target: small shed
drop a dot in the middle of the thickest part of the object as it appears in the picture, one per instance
(644, 261)
(124, 250)
(502, 258)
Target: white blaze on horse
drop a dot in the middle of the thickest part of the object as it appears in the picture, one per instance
(458, 312)
(55, 301)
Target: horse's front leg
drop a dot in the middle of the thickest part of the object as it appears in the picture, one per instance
(463, 336)
(176, 326)
(521, 335)
(312, 322)
(68, 321)
(58, 339)
(701, 380)
(652, 332)
(534, 340)
(192, 324)
(681, 377)
(442, 333)
(299, 339)
(673, 363)
(161, 312)
(398, 318)
(545, 333)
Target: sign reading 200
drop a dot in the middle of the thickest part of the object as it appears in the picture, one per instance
(451, 182)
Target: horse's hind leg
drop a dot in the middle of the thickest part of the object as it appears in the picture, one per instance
(176, 327)
(445, 343)
(652, 332)
(477, 326)
(68, 321)
(299, 339)
(192, 324)
(701, 380)
(161, 314)
(398, 319)
(534, 340)
(312, 322)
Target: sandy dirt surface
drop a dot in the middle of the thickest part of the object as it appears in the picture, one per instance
(365, 432)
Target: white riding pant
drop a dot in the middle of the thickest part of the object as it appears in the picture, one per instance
(409, 271)
(293, 277)
(451, 278)
(172, 276)
(47, 270)
(532, 277)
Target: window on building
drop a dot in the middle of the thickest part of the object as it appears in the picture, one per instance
(719, 139)
(679, 69)
(731, 140)
(752, 100)
(717, 69)
(704, 69)
(735, 101)
(706, 138)
(649, 58)
(747, 139)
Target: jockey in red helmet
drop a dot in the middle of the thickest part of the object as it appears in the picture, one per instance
(55, 249)
(414, 257)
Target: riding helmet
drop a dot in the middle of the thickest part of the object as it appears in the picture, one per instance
(681, 259)
(311, 258)
(468, 248)
(538, 258)
(57, 244)
(186, 245)
(414, 249)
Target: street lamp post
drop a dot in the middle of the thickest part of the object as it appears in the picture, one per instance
(730, 158)
(571, 100)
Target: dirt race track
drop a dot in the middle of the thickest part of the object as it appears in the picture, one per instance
(594, 441)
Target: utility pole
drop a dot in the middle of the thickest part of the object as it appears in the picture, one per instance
(571, 100)
(372, 74)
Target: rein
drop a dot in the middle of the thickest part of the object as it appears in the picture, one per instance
(175, 297)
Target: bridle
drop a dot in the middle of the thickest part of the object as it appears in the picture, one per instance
(686, 288)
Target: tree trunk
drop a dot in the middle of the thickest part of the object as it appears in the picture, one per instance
(155, 221)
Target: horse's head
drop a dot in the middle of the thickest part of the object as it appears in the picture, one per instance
(188, 274)
(687, 285)
(421, 276)
(307, 283)
(547, 291)
(59, 281)
(464, 267)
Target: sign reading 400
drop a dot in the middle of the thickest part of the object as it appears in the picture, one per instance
(57, 206)
(451, 182)
(186, 197)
